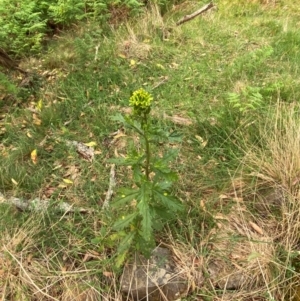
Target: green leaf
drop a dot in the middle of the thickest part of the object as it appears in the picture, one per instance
(170, 155)
(162, 215)
(162, 164)
(126, 242)
(167, 175)
(143, 207)
(168, 201)
(146, 224)
(124, 221)
(175, 137)
(164, 185)
(120, 258)
(125, 196)
(124, 247)
(118, 117)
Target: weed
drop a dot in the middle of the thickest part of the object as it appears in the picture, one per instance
(150, 202)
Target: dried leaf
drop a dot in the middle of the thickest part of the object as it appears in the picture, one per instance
(36, 120)
(160, 66)
(57, 167)
(202, 205)
(33, 156)
(91, 144)
(221, 216)
(14, 181)
(119, 136)
(49, 191)
(256, 228)
(179, 120)
(62, 185)
(223, 196)
(39, 105)
(253, 255)
(201, 140)
(108, 274)
(68, 181)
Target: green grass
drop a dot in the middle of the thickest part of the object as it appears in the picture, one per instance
(193, 71)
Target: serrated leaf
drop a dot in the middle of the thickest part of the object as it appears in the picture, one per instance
(118, 117)
(126, 242)
(169, 156)
(146, 219)
(170, 202)
(167, 175)
(124, 221)
(123, 249)
(163, 215)
(120, 259)
(164, 185)
(175, 136)
(125, 196)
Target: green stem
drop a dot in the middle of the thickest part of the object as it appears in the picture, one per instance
(147, 145)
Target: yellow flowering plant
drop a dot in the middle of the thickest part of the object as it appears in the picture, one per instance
(144, 209)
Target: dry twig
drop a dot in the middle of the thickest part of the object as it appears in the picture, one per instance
(196, 13)
(112, 184)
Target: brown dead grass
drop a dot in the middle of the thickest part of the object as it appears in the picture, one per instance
(44, 274)
(252, 247)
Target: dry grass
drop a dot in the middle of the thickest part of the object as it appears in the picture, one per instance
(136, 42)
(29, 273)
(274, 169)
(253, 253)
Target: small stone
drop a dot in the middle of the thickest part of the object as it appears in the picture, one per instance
(157, 278)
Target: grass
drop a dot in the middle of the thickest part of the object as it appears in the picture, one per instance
(238, 160)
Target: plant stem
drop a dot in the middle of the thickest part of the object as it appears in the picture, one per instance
(147, 146)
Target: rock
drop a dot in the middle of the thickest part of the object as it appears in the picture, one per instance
(223, 279)
(157, 278)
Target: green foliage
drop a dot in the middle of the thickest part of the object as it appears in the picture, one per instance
(6, 86)
(149, 204)
(247, 100)
(66, 11)
(253, 61)
(24, 24)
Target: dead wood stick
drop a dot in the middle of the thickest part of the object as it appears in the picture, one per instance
(112, 185)
(196, 13)
(8, 63)
(39, 205)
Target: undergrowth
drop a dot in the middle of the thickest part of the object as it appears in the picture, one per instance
(226, 83)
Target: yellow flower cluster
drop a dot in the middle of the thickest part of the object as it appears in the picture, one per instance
(141, 101)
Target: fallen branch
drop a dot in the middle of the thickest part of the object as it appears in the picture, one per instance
(39, 205)
(8, 63)
(196, 13)
(112, 184)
